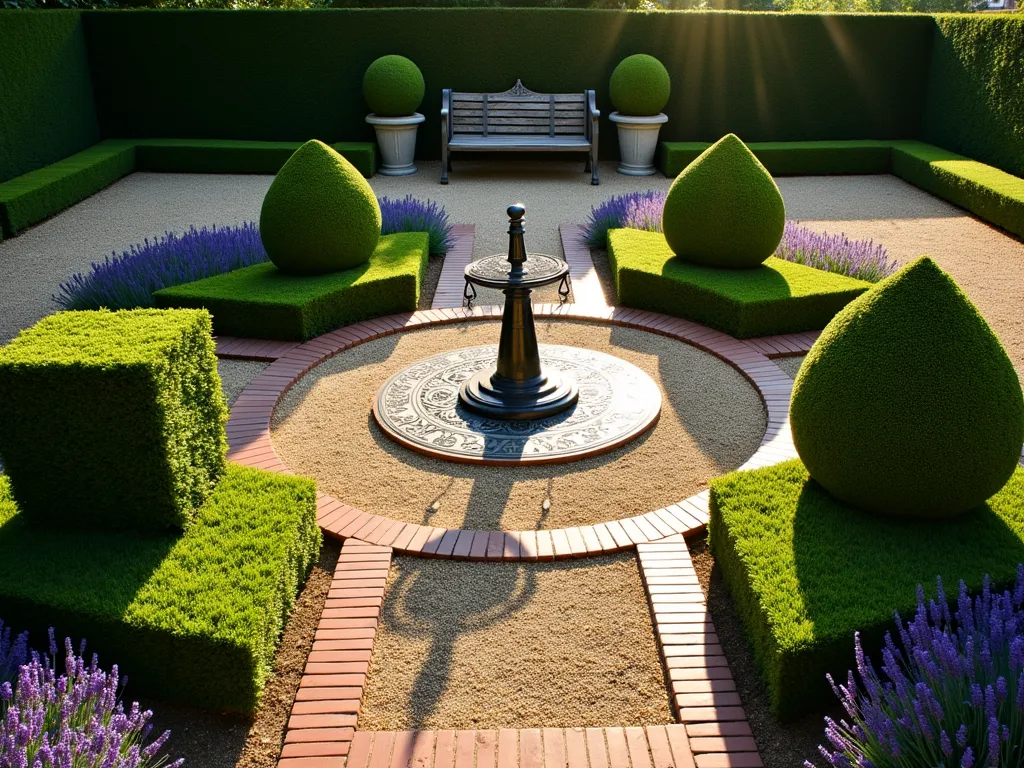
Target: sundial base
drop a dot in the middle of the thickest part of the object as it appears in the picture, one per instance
(490, 394)
(419, 407)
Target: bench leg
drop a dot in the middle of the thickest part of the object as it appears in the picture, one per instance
(592, 160)
(445, 162)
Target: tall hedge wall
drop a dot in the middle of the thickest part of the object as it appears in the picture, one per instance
(975, 102)
(46, 107)
(282, 75)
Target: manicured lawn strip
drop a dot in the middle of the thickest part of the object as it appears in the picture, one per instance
(806, 572)
(28, 199)
(790, 158)
(193, 619)
(230, 156)
(121, 412)
(778, 297)
(987, 192)
(261, 302)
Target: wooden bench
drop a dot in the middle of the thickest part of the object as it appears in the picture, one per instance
(518, 120)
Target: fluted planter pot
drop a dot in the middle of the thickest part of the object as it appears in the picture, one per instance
(638, 141)
(396, 137)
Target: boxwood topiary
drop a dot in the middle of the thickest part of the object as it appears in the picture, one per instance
(319, 215)
(639, 86)
(724, 209)
(393, 86)
(908, 404)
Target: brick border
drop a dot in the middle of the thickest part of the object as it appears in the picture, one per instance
(452, 281)
(249, 439)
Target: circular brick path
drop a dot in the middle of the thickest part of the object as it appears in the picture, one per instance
(250, 443)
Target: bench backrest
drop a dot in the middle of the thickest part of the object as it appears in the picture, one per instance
(519, 111)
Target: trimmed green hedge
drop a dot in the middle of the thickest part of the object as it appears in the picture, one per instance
(975, 102)
(194, 619)
(46, 97)
(790, 158)
(777, 297)
(226, 156)
(805, 571)
(987, 192)
(113, 419)
(37, 195)
(262, 302)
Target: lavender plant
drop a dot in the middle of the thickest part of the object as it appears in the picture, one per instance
(861, 259)
(12, 653)
(129, 280)
(638, 207)
(73, 720)
(412, 215)
(952, 696)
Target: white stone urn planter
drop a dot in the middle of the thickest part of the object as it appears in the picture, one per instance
(396, 137)
(638, 141)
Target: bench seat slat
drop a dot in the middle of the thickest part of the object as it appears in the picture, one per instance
(512, 142)
(541, 98)
(538, 130)
(492, 121)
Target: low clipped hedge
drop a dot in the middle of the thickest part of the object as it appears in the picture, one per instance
(113, 419)
(987, 192)
(791, 158)
(193, 619)
(228, 156)
(805, 571)
(265, 303)
(777, 297)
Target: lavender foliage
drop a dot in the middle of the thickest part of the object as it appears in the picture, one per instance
(74, 719)
(861, 259)
(129, 280)
(12, 653)
(412, 215)
(952, 692)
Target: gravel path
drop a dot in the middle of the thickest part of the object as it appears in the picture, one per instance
(489, 645)
(712, 421)
(236, 375)
(790, 364)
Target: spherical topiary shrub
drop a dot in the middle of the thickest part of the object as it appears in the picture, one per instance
(639, 86)
(724, 209)
(907, 404)
(393, 86)
(319, 214)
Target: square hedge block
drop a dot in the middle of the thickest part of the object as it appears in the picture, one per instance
(262, 302)
(193, 618)
(113, 419)
(806, 571)
(791, 158)
(777, 297)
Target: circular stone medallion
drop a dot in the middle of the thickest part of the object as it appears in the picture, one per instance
(419, 407)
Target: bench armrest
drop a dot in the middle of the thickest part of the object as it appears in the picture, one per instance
(595, 113)
(446, 103)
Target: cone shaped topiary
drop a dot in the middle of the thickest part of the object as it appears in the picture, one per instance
(907, 404)
(639, 86)
(319, 215)
(393, 86)
(724, 209)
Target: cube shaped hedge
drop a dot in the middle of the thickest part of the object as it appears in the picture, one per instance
(113, 419)
(777, 297)
(807, 571)
(193, 618)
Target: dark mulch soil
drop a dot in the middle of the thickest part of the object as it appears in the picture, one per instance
(430, 280)
(208, 740)
(781, 745)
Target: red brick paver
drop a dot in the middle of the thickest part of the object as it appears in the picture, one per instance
(452, 281)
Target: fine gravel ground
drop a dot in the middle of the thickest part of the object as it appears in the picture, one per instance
(790, 365)
(209, 740)
(236, 375)
(782, 745)
(504, 645)
(712, 420)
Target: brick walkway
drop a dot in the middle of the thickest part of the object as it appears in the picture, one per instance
(452, 281)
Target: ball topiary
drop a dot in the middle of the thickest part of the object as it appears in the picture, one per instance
(724, 209)
(393, 86)
(908, 404)
(319, 214)
(639, 86)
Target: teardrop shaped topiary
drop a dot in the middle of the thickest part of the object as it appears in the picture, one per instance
(319, 214)
(393, 86)
(908, 404)
(639, 86)
(724, 209)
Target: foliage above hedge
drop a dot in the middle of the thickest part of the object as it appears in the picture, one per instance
(113, 419)
(806, 572)
(193, 619)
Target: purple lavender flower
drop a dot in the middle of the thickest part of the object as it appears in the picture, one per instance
(639, 207)
(950, 674)
(12, 653)
(861, 259)
(412, 215)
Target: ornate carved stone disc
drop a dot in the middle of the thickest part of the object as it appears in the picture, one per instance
(419, 407)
